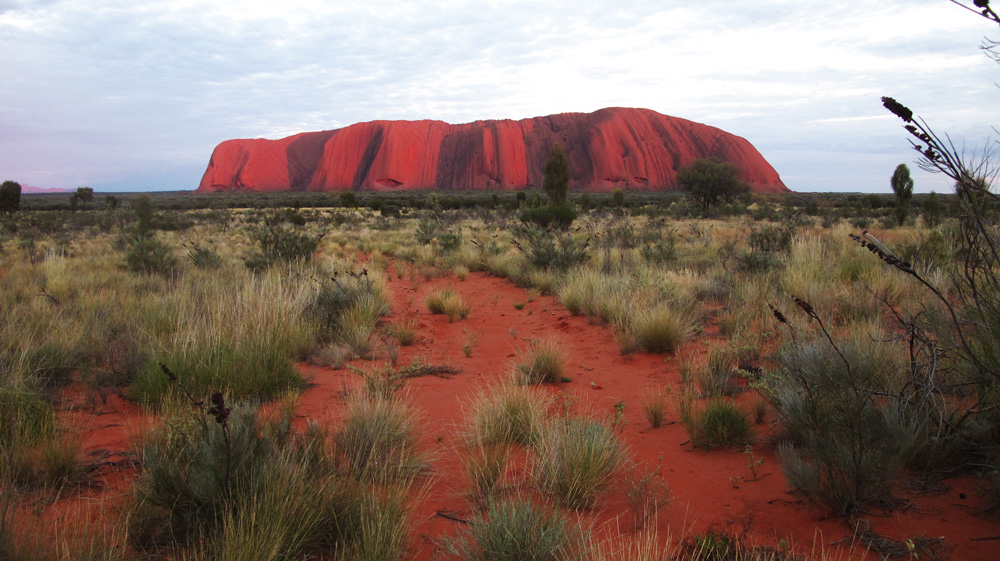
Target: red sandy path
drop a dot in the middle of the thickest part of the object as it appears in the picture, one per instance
(700, 481)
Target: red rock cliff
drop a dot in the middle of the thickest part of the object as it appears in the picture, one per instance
(633, 149)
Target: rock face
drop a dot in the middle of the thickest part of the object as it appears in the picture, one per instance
(616, 148)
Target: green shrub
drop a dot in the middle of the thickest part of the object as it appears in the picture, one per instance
(720, 425)
(847, 443)
(147, 254)
(516, 530)
(260, 370)
(448, 302)
(510, 415)
(543, 362)
(378, 440)
(280, 243)
(576, 459)
(546, 249)
(194, 470)
(204, 257)
(554, 216)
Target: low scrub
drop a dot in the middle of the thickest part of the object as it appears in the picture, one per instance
(543, 362)
(448, 302)
(510, 415)
(378, 441)
(518, 529)
(721, 424)
(576, 460)
(259, 371)
(847, 444)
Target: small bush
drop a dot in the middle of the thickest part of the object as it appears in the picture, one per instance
(147, 254)
(555, 216)
(660, 328)
(546, 249)
(653, 405)
(646, 495)
(517, 530)
(720, 425)
(576, 459)
(204, 257)
(280, 243)
(848, 443)
(448, 302)
(405, 331)
(510, 415)
(378, 440)
(544, 362)
(485, 466)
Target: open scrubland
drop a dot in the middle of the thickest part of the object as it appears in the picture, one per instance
(412, 380)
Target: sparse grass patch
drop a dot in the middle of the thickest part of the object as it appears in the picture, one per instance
(405, 331)
(378, 440)
(485, 466)
(576, 459)
(721, 424)
(448, 302)
(509, 415)
(515, 530)
(654, 405)
(543, 362)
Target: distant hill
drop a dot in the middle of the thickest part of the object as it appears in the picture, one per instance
(31, 189)
(615, 148)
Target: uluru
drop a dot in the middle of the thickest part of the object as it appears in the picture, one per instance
(613, 148)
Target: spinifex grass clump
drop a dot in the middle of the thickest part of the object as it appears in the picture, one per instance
(349, 307)
(720, 424)
(518, 529)
(405, 331)
(448, 302)
(660, 328)
(236, 335)
(378, 440)
(543, 362)
(485, 466)
(509, 415)
(224, 483)
(576, 460)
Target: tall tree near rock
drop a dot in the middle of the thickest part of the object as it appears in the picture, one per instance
(710, 181)
(902, 186)
(10, 196)
(556, 180)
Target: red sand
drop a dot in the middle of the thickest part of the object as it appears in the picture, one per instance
(706, 498)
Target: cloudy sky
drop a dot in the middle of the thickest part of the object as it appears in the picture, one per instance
(128, 95)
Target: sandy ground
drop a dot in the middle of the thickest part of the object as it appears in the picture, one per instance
(712, 490)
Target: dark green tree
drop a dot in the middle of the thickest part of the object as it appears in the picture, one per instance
(618, 197)
(10, 196)
(710, 181)
(82, 196)
(902, 186)
(932, 208)
(556, 180)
